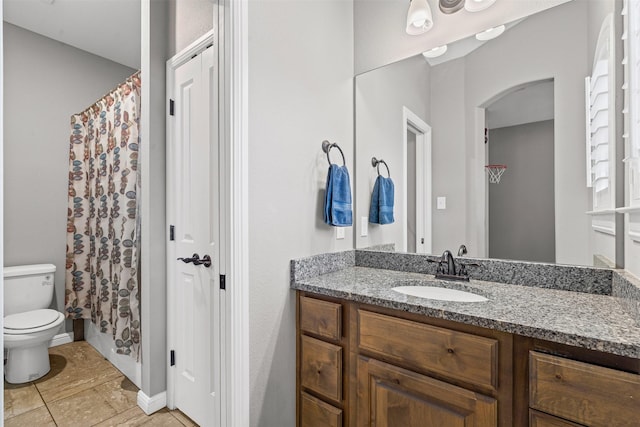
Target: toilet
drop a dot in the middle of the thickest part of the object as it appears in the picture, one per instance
(28, 323)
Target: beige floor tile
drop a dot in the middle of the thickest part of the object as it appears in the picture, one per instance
(162, 418)
(131, 417)
(20, 398)
(76, 386)
(38, 417)
(72, 366)
(82, 409)
(183, 419)
(120, 393)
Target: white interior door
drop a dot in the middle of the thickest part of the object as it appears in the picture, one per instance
(195, 306)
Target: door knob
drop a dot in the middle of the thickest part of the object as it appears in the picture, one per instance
(195, 259)
(206, 261)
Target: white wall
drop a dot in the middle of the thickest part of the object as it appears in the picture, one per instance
(380, 97)
(300, 93)
(45, 82)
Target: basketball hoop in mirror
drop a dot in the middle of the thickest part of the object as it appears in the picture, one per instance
(495, 172)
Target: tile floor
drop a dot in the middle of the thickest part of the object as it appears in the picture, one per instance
(82, 389)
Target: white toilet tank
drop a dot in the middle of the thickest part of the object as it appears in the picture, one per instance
(28, 287)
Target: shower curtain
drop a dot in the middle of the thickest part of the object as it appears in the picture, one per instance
(102, 225)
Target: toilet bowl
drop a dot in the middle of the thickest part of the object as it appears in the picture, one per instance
(28, 326)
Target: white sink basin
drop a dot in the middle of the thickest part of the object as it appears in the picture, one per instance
(442, 294)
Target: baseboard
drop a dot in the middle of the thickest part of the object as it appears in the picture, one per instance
(152, 404)
(60, 339)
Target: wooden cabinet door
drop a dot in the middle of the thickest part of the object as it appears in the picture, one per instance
(388, 396)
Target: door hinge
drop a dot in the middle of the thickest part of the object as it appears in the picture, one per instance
(171, 107)
(172, 230)
(223, 284)
(173, 357)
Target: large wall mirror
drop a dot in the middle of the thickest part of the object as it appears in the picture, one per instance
(518, 100)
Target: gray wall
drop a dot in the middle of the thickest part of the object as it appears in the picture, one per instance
(521, 206)
(449, 133)
(380, 97)
(153, 306)
(558, 52)
(45, 82)
(300, 56)
(188, 21)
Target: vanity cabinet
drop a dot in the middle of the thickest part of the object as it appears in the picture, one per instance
(412, 373)
(321, 351)
(581, 393)
(392, 396)
(361, 365)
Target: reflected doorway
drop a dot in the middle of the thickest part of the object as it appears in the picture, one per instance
(521, 207)
(417, 182)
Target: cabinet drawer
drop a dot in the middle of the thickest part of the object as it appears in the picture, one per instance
(316, 413)
(453, 354)
(321, 367)
(584, 393)
(321, 318)
(539, 419)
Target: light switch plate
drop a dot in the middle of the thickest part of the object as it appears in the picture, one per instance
(364, 226)
(441, 202)
(340, 233)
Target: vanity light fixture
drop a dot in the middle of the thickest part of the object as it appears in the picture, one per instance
(435, 52)
(450, 6)
(477, 5)
(419, 18)
(491, 33)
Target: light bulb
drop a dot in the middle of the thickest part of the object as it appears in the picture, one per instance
(419, 23)
(435, 52)
(477, 5)
(419, 19)
(491, 33)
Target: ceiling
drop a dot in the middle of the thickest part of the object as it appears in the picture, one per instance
(107, 28)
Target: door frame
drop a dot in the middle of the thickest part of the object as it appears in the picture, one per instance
(234, 79)
(411, 122)
(231, 42)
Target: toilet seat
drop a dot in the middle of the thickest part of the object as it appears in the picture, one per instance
(31, 321)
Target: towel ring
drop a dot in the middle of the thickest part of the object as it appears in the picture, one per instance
(327, 146)
(376, 164)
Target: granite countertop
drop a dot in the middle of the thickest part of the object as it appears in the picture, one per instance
(586, 320)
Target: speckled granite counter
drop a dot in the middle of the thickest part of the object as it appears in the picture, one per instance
(589, 320)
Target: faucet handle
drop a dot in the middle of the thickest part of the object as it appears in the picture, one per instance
(462, 250)
(471, 264)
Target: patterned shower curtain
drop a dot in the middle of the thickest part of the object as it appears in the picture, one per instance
(102, 224)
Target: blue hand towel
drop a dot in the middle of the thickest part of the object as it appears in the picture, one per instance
(337, 200)
(381, 210)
